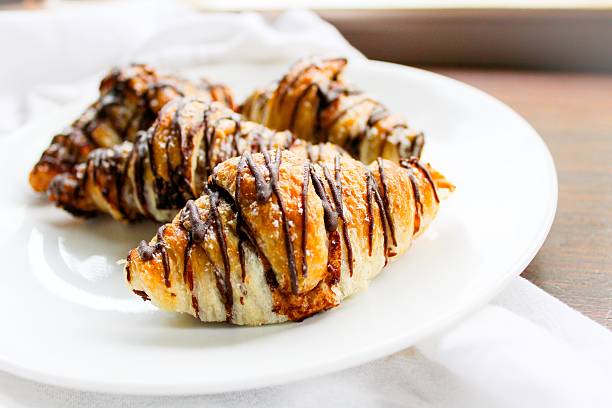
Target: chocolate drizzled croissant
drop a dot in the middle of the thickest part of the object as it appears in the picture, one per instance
(313, 101)
(129, 101)
(166, 165)
(276, 237)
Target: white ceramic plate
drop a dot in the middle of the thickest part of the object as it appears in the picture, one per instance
(67, 319)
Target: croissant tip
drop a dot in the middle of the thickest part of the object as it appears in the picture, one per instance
(38, 185)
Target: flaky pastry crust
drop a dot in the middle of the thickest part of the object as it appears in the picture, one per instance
(277, 237)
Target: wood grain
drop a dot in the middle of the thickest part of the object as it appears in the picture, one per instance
(573, 114)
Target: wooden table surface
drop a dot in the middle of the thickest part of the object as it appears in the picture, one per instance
(573, 114)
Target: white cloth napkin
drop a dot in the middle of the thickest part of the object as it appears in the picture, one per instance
(525, 349)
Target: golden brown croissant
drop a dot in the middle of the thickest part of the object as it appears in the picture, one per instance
(276, 237)
(129, 101)
(167, 165)
(314, 102)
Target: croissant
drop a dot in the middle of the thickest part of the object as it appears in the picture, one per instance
(129, 101)
(276, 237)
(166, 165)
(313, 101)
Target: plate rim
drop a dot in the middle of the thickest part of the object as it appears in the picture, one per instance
(381, 349)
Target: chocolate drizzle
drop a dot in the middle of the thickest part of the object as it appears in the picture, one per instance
(207, 139)
(329, 215)
(411, 165)
(418, 205)
(146, 251)
(415, 147)
(177, 175)
(416, 192)
(225, 282)
(142, 294)
(273, 170)
(198, 227)
(162, 189)
(197, 230)
(385, 197)
(195, 305)
(369, 197)
(128, 274)
(336, 190)
(374, 193)
(305, 183)
(263, 189)
(415, 162)
(161, 246)
(239, 219)
(241, 245)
